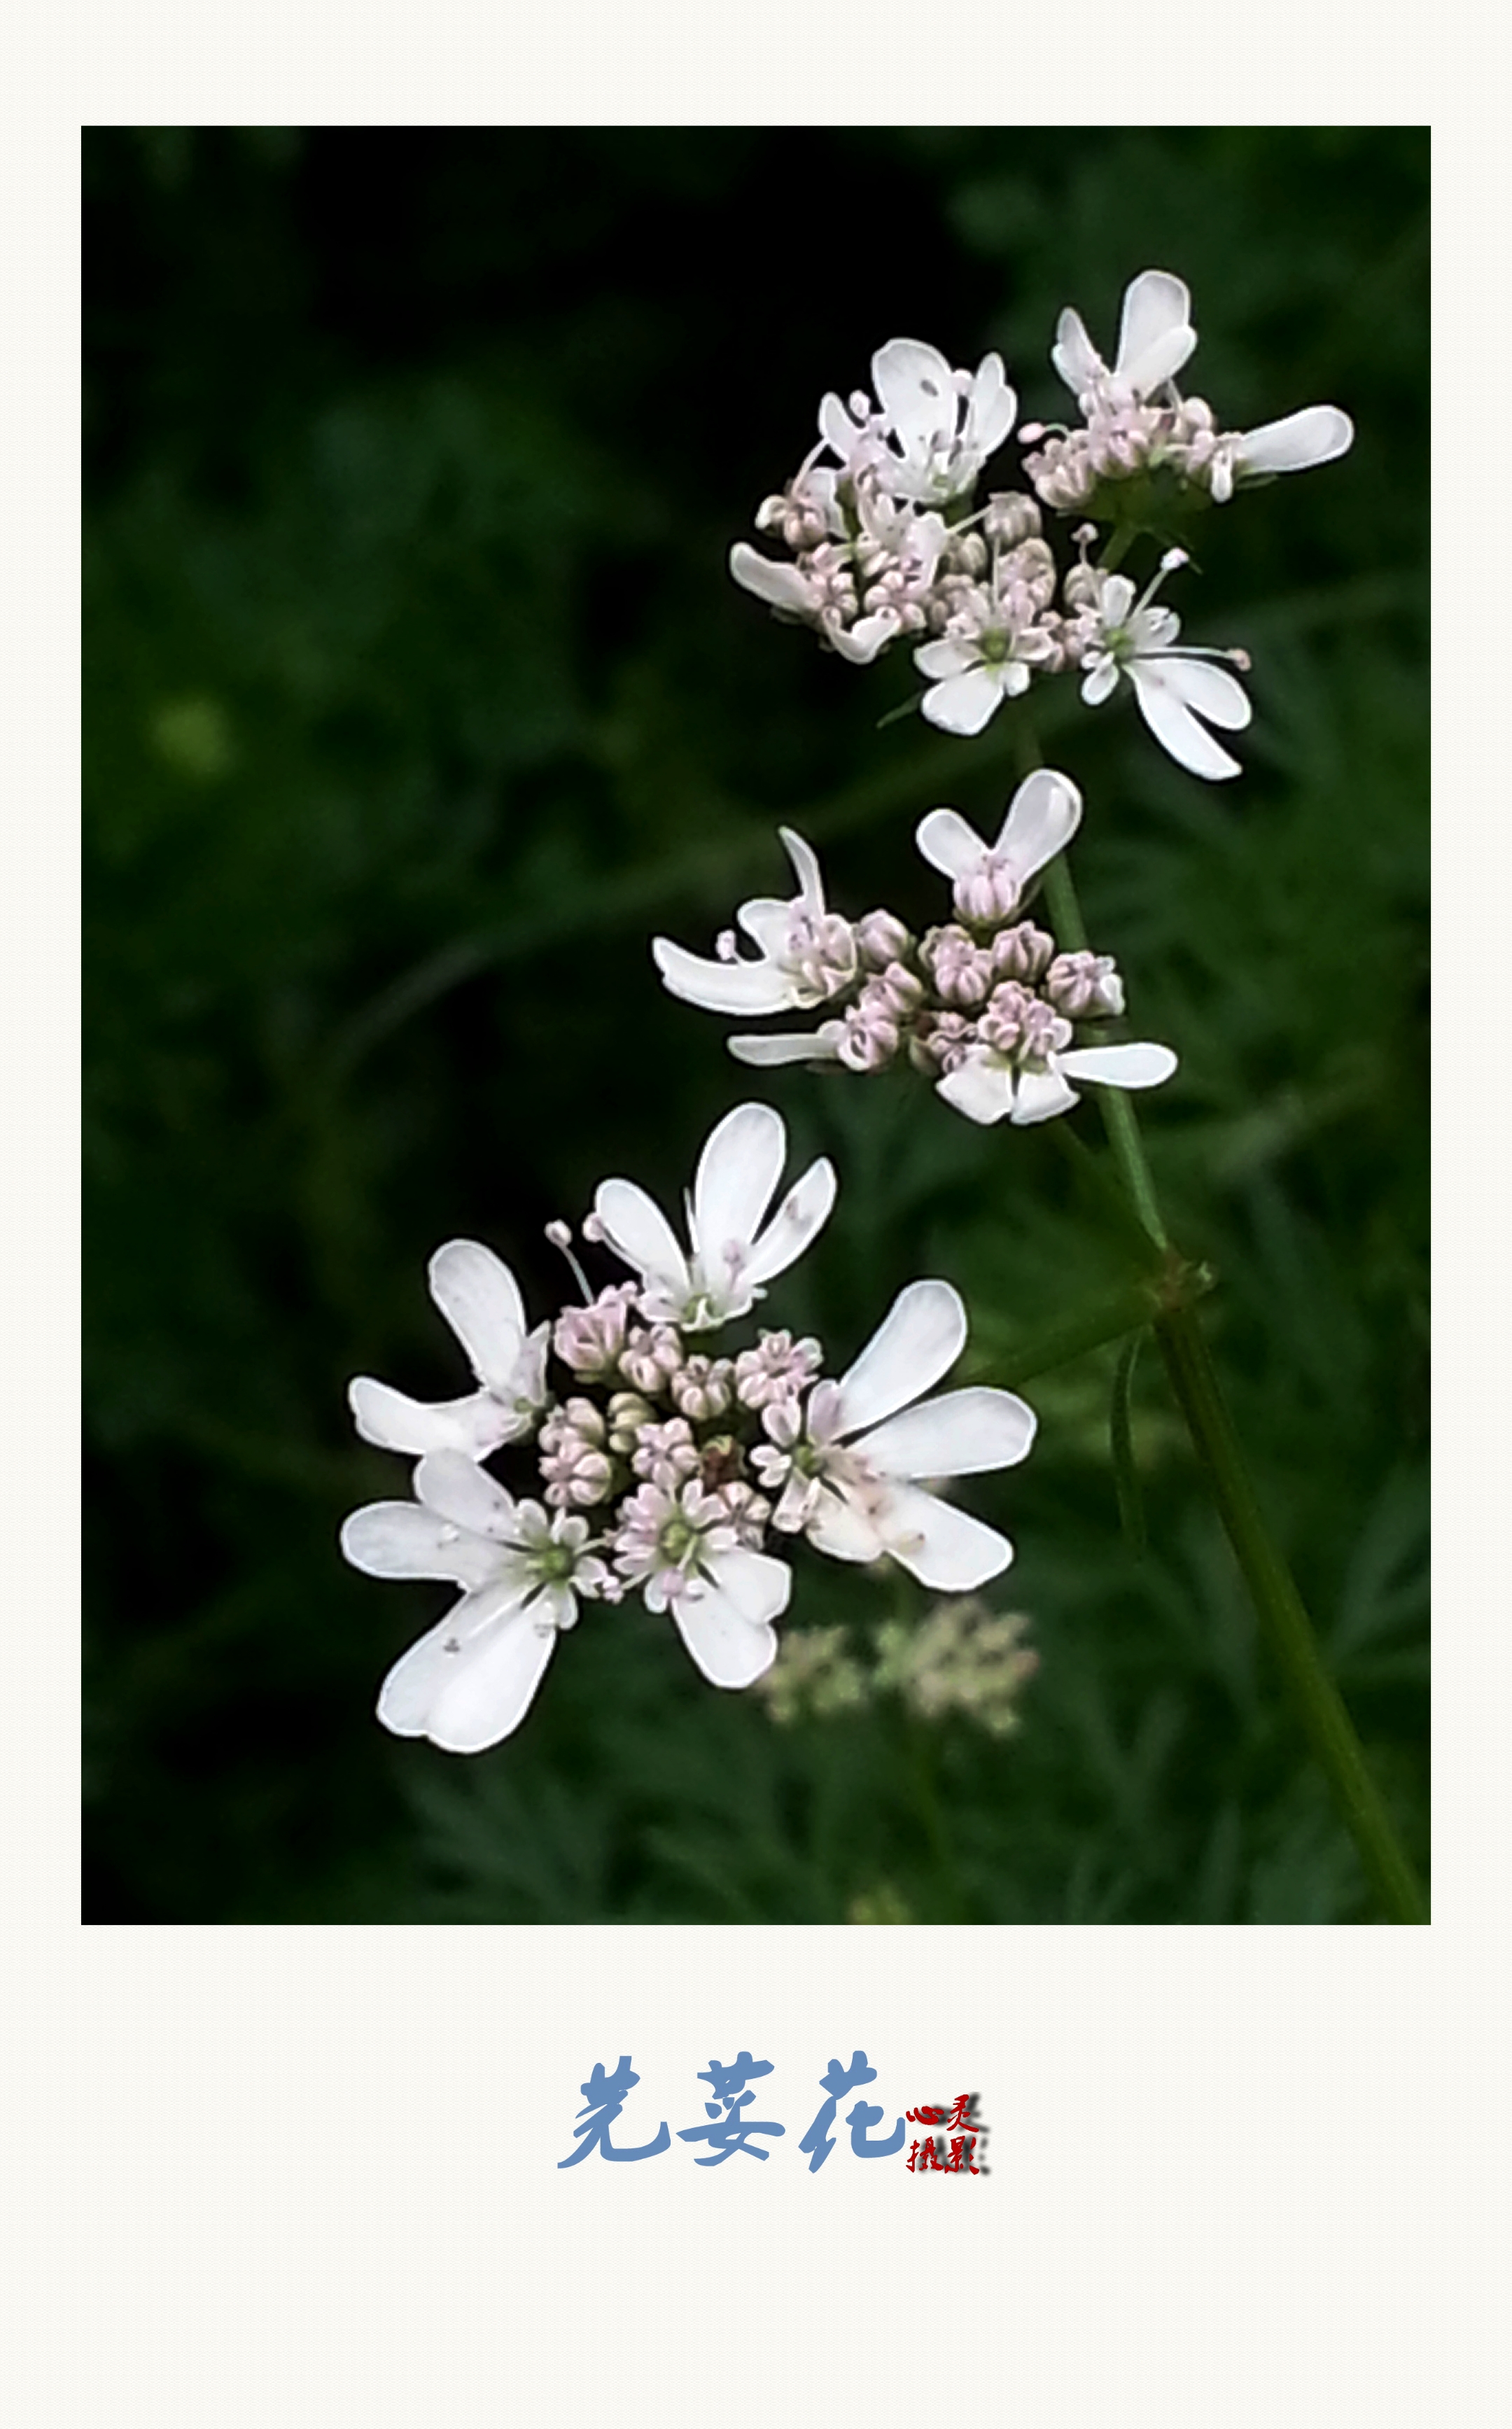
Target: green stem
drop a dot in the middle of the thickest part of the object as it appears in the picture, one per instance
(1118, 1114)
(1282, 1613)
(1330, 1730)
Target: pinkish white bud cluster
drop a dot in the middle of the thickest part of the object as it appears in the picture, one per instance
(885, 544)
(987, 980)
(654, 1438)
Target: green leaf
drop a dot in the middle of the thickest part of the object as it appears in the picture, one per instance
(1121, 1441)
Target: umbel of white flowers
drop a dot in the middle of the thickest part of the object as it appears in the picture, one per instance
(985, 1006)
(884, 541)
(662, 1469)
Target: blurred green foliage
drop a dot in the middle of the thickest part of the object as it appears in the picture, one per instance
(419, 696)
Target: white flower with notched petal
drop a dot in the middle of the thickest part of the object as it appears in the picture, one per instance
(481, 1301)
(680, 1546)
(1155, 338)
(469, 1681)
(991, 879)
(733, 1257)
(936, 428)
(1175, 686)
(1023, 1065)
(806, 953)
(849, 1478)
(1317, 434)
(971, 673)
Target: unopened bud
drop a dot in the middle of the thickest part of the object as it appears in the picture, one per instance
(880, 939)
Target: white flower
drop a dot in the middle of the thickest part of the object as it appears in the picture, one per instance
(469, 1681)
(683, 1548)
(990, 880)
(1317, 434)
(481, 1301)
(972, 674)
(851, 1481)
(945, 423)
(806, 953)
(1155, 338)
(987, 1085)
(733, 1257)
(1174, 687)
(819, 593)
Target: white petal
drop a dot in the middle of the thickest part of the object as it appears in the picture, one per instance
(1173, 726)
(1115, 599)
(991, 406)
(960, 1434)
(769, 1053)
(738, 1172)
(409, 1693)
(981, 1090)
(393, 1421)
(921, 1335)
(941, 659)
(1100, 682)
(750, 987)
(491, 1684)
(944, 1548)
(917, 391)
(838, 427)
(723, 1620)
(1074, 355)
(1154, 337)
(480, 1300)
(964, 703)
(803, 1214)
(948, 843)
(638, 1231)
(764, 920)
(398, 1538)
(839, 1528)
(1211, 691)
(1040, 1096)
(1315, 435)
(1043, 816)
(861, 641)
(1120, 1066)
(779, 586)
(806, 869)
(457, 1489)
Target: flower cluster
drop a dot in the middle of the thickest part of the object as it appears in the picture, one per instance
(963, 1659)
(1136, 424)
(884, 541)
(664, 1470)
(986, 1005)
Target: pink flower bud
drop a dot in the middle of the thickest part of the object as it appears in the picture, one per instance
(940, 1042)
(987, 892)
(1021, 952)
(962, 971)
(880, 939)
(1084, 987)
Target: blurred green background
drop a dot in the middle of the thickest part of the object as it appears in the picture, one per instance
(419, 696)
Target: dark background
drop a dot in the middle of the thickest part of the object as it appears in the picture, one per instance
(419, 696)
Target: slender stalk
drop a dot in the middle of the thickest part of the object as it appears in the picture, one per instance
(1330, 1730)
(1118, 1114)
(1282, 1612)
